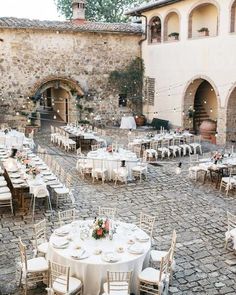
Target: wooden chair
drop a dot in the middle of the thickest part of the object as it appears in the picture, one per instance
(153, 281)
(175, 148)
(61, 282)
(156, 255)
(40, 194)
(164, 149)
(139, 171)
(146, 223)
(5, 196)
(120, 173)
(195, 169)
(107, 212)
(228, 183)
(67, 216)
(32, 270)
(231, 232)
(195, 143)
(99, 171)
(40, 237)
(117, 283)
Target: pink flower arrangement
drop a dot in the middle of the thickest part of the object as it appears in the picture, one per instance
(100, 228)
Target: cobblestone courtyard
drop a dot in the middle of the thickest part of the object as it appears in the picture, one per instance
(196, 211)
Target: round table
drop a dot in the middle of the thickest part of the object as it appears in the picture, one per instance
(127, 123)
(101, 158)
(92, 271)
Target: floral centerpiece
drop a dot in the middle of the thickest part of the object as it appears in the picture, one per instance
(22, 158)
(34, 171)
(217, 157)
(100, 228)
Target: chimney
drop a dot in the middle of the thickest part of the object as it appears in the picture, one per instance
(78, 9)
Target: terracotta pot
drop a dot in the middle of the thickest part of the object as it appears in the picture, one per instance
(140, 120)
(29, 129)
(208, 130)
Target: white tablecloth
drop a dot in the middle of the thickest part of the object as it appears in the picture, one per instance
(110, 161)
(127, 123)
(12, 139)
(93, 270)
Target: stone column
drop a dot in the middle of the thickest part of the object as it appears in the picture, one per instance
(221, 126)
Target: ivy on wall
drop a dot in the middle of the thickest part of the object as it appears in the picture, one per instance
(129, 82)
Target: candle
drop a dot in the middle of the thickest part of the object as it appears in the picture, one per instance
(232, 150)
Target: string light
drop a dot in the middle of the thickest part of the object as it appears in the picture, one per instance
(54, 117)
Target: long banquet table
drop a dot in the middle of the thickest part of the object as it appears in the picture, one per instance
(88, 264)
(80, 134)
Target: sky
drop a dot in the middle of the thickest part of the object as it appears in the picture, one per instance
(33, 9)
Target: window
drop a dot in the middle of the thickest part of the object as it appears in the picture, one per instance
(122, 100)
(155, 30)
(149, 90)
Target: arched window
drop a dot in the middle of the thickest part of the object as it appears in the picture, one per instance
(171, 27)
(155, 30)
(203, 21)
(233, 18)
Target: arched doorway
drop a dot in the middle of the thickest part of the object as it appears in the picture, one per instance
(57, 97)
(200, 103)
(231, 117)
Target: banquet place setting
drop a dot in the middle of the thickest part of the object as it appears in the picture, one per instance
(97, 256)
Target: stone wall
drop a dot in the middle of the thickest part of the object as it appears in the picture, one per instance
(30, 56)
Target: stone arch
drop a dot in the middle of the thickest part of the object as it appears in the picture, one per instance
(155, 29)
(203, 14)
(57, 94)
(172, 24)
(67, 83)
(230, 108)
(194, 88)
(233, 17)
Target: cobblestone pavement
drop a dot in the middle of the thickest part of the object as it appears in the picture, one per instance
(196, 211)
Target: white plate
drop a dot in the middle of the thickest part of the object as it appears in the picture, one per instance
(135, 249)
(15, 175)
(60, 243)
(18, 181)
(110, 257)
(62, 232)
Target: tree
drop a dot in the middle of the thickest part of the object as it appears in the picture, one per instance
(100, 10)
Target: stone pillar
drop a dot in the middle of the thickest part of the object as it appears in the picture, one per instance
(221, 126)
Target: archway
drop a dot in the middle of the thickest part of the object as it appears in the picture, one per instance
(155, 30)
(231, 117)
(171, 27)
(57, 97)
(203, 20)
(233, 18)
(200, 103)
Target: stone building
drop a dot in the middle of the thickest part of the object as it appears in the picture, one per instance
(63, 63)
(189, 61)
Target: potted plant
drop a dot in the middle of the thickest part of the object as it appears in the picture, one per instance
(139, 119)
(204, 31)
(174, 36)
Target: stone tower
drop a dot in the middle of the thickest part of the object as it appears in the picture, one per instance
(78, 9)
